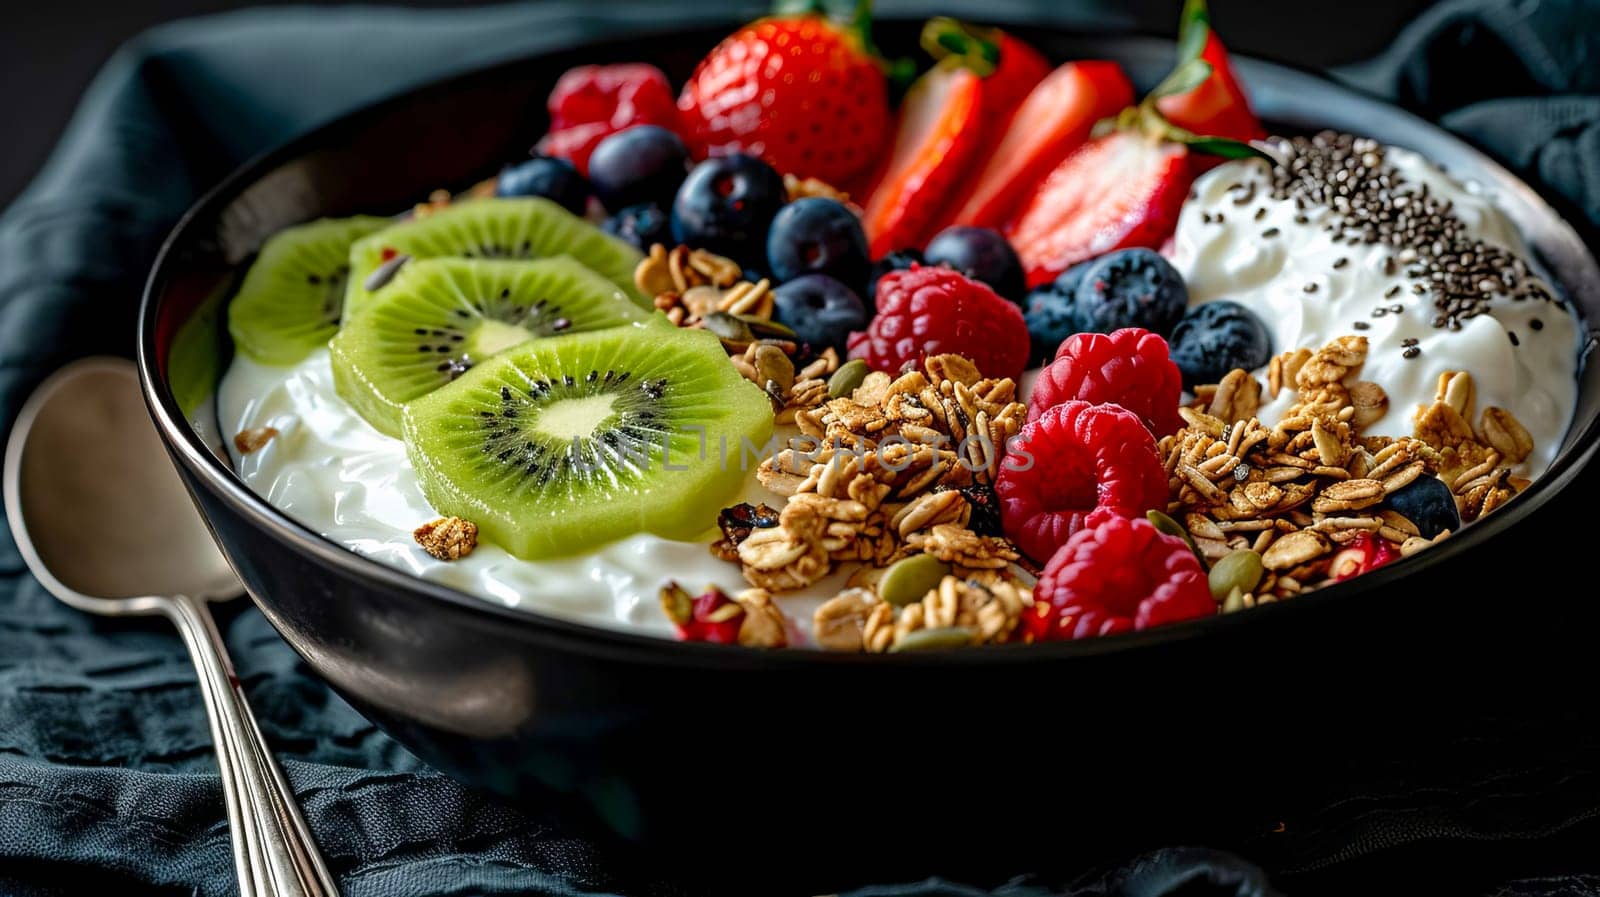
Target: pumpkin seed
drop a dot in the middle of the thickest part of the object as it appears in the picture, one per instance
(729, 327)
(845, 380)
(1234, 602)
(1171, 527)
(765, 328)
(1235, 571)
(935, 639)
(908, 579)
(774, 367)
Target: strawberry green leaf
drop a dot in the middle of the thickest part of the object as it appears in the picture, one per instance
(1194, 26)
(976, 48)
(1186, 77)
(1227, 149)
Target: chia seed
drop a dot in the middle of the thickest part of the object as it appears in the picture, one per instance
(1372, 203)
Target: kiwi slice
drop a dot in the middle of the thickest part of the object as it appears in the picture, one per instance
(439, 317)
(563, 444)
(291, 297)
(520, 228)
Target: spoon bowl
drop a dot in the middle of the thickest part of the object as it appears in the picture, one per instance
(97, 509)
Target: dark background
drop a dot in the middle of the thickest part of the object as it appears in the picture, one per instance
(51, 49)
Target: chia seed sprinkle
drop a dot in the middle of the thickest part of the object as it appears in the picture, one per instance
(1372, 203)
(1513, 335)
(1270, 232)
(1410, 352)
(1310, 288)
(1393, 292)
(1261, 213)
(1536, 324)
(1340, 262)
(1361, 325)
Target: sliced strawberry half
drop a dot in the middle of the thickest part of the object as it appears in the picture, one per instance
(1009, 66)
(1054, 119)
(1116, 191)
(936, 138)
(1217, 105)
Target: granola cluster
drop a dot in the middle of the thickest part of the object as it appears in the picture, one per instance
(966, 608)
(688, 285)
(1476, 465)
(447, 538)
(890, 470)
(700, 290)
(1297, 492)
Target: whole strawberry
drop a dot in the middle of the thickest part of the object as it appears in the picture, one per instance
(933, 310)
(801, 91)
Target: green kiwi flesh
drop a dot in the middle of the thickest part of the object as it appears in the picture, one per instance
(517, 228)
(439, 317)
(560, 445)
(291, 298)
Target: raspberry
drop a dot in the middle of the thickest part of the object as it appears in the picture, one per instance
(1128, 367)
(1077, 458)
(709, 617)
(932, 310)
(1117, 576)
(592, 102)
(1363, 555)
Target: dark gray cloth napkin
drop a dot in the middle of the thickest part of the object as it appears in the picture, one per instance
(106, 773)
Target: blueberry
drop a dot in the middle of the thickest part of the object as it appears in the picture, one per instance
(1427, 502)
(1214, 338)
(726, 206)
(644, 163)
(898, 260)
(817, 236)
(1051, 314)
(554, 179)
(820, 310)
(1131, 288)
(981, 254)
(640, 225)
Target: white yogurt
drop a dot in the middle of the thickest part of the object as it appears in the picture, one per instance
(331, 471)
(1535, 379)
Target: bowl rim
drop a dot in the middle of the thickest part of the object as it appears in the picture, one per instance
(202, 464)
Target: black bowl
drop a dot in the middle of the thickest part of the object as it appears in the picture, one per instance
(836, 768)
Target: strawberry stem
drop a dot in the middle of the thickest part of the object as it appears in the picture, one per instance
(972, 46)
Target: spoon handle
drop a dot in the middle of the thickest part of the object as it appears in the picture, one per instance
(274, 853)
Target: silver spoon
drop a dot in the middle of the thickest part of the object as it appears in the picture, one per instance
(103, 521)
